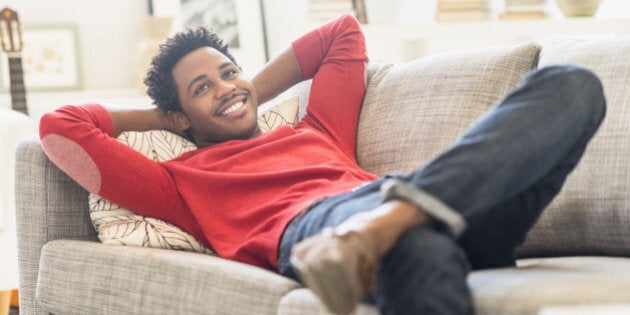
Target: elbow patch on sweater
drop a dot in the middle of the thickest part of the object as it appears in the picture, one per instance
(71, 158)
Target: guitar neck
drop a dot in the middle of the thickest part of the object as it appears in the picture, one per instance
(18, 91)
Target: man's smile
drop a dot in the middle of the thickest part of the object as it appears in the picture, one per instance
(233, 104)
(232, 108)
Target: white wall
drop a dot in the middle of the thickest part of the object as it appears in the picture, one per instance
(110, 30)
(286, 19)
(108, 33)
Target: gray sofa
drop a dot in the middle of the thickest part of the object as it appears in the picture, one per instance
(578, 254)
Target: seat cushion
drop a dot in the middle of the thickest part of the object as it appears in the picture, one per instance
(534, 285)
(304, 302)
(550, 282)
(81, 277)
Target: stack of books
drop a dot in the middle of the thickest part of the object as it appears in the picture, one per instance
(463, 10)
(320, 11)
(523, 9)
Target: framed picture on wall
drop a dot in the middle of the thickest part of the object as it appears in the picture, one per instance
(238, 22)
(50, 59)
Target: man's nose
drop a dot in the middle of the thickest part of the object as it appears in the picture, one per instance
(224, 88)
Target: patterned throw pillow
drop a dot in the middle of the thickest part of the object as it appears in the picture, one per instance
(120, 226)
(280, 114)
(117, 225)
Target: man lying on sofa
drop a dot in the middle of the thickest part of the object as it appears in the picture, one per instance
(294, 200)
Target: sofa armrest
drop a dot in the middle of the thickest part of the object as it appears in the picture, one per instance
(49, 206)
(13, 127)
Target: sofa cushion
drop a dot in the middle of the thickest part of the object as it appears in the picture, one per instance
(414, 111)
(303, 301)
(591, 215)
(283, 113)
(547, 282)
(535, 284)
(117, 225)
(79, 277)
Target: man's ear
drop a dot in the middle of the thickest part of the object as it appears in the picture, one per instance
(179, 120)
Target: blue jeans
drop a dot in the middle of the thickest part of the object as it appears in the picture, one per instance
(499, 176)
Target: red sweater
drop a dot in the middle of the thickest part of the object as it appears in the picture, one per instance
(237, 196)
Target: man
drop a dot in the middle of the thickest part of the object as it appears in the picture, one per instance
(295, 199)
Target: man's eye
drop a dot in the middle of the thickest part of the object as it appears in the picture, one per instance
(202, 87)
(230, 74)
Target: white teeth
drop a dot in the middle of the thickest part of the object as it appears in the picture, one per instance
(232, 108)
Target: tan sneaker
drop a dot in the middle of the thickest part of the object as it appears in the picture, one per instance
(339, 268)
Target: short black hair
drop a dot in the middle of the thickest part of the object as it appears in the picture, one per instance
(159, 79)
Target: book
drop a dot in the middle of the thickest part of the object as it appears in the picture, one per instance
(522, 15)
(320, 11)
(523, 9)
(463, 10)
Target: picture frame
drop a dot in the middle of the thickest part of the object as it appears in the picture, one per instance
(50, 59)
(239, 22)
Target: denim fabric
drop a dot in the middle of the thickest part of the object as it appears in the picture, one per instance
(499, 176)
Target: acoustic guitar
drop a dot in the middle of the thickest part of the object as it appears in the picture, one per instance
(11, 40)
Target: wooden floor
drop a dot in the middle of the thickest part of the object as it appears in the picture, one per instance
(9, 301)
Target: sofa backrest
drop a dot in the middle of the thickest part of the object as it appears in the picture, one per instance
(416, 110)
(591, 216)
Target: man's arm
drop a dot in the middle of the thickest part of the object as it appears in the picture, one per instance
(140, 119)
(80, 141)
(278, 75)
(334, 56)
(286, 69)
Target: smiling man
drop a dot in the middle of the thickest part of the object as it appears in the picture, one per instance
(295, 201)
(208, 77)
(241, 188)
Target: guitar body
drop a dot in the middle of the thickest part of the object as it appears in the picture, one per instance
(11, 40)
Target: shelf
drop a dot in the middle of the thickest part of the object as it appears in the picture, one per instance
(402, 43)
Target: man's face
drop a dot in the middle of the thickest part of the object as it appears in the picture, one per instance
(219, 103)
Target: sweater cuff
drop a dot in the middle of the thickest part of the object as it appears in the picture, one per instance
(433, 207)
